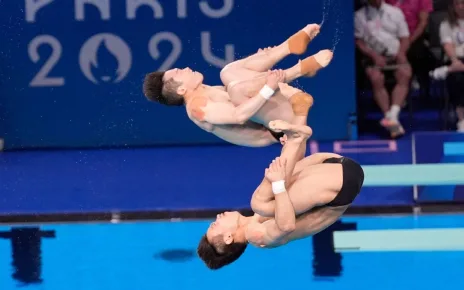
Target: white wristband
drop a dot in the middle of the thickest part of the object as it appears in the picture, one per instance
(266, 92)
(278, 186)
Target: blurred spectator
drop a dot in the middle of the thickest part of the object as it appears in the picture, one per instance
(416, 13)
(382, 36)
(452, 39)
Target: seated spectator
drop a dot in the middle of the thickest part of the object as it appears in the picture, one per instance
(382, 36)
(452, 39)
(417, 13)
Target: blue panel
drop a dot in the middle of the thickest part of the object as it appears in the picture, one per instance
(94, 60)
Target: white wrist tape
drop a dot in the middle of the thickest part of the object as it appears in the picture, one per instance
(266, 92)
(278, 186)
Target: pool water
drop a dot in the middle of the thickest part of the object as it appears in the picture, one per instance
(161, 255)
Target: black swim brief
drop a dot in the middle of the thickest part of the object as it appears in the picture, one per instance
(353, 179)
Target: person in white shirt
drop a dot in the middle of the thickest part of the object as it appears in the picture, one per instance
(382, 35)
(452, 39)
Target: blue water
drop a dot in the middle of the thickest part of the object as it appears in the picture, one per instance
(161, 255)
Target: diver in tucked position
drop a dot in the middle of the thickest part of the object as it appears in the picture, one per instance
(239, 112)
(297, 198)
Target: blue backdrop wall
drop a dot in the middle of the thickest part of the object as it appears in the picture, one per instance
(71, 71)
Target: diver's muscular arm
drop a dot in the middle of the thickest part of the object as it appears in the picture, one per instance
(262, 201)
(284, 211)
(225, 113)
(276, 230)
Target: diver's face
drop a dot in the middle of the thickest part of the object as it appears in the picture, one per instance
(225, 225)
(188, 79)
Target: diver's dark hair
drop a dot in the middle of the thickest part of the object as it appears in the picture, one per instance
(163, 92)
(214, 260)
